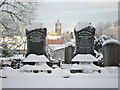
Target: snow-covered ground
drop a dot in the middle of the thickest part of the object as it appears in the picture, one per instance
(86, 82)
(108, 78)
(60, 77)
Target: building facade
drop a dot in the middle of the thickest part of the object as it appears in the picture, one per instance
(53, 38)
(58, 27)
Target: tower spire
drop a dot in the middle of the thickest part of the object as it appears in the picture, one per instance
(58, 20)
(58, 27)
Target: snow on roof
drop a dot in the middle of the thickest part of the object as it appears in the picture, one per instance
(82, 25)
(43, 66)
(69, 44)
(57, 46)
(111, 41)
(34, 25)
(53, 37)
(84, 57)
(36, 58)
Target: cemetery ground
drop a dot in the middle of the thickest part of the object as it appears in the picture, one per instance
(13, 78)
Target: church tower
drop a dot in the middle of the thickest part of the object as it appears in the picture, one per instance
(58, 27)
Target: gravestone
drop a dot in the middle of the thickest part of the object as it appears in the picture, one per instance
(111, 53)
(84, 35)
(69, 52)
(36, 41)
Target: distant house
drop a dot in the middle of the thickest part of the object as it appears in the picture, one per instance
(53, 38)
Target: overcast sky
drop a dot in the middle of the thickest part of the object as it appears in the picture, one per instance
(70, 13)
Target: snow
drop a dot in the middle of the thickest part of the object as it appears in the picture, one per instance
(61, 77)
(76, 67)
(107, 79)
(66, 66)
(55, 66)
(5, 59)
(11, 58)
(53, 37)
(10, 72)
(69, 44)
(82, 82)
(34, 25)
(72, 67)
(90, 68)
(82, 25)
(111, 41)
(57, 46)
(84, 57)
(0, 83)
(17, 57)
(42, 66)
(109, 69)
(36, 58)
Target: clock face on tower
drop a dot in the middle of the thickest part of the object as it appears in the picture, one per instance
(59, 27)
(36, 37)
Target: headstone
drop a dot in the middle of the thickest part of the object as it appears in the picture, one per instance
(36, 41)
(69, 52)
(84, 35)
(111, 53)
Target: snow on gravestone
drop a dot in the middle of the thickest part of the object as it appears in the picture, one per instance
(36, 38)
(84, 34)
(111, 51)
(69, 52)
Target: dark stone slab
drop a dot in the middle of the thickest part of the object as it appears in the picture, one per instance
(85, 40)
(36, 41)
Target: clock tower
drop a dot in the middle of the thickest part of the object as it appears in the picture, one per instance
(58, 27)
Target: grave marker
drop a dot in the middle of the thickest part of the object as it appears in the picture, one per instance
(84, 35)
(36, 41)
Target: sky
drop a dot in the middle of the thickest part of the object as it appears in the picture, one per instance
(70, 13)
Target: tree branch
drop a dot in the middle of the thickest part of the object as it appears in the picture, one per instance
(11, 13)
(7, 28)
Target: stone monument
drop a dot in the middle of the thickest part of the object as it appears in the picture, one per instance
(84, 35)
(36, 39)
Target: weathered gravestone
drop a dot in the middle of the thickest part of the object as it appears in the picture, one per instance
(36, 40)
(84, 35)
(111, 53)
(69, 52)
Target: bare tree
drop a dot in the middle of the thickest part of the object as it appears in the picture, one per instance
(14, 16)
(109, 29)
